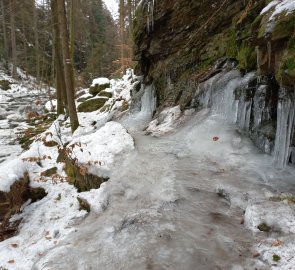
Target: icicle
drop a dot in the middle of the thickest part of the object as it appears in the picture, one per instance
(269, 53)
(285, 126)
(150, 15)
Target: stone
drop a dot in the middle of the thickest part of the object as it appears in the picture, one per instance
(105, 94)
(84, 205)
(4, 85)
(97, 88)
(264, 227)
(49, 172)
(91, 105)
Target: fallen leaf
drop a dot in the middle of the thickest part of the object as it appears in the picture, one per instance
(256, 254)
(14, 245)
(242, 220)
(215, 139)
(277, 243)
(11, 261)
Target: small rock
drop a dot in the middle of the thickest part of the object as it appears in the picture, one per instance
(264, 227)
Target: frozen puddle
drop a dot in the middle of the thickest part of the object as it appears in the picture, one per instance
(163, 210)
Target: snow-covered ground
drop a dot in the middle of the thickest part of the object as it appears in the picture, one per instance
(189, 197)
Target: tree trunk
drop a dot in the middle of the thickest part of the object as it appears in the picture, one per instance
(60, 80)
(72, 34)
(5, 46)
(130, 18)
(36, 37)
(68, 69)
(13, 38)
(122, 30)
(24, 42)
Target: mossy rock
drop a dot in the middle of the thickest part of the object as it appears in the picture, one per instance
(12, 201)
(5, 85)
(49, 172)
(286, 72)
(284, 26)
(79, 178)
(96, 89)
(84, 205)
(37, 194)
(264, 227)
(82, 99)
(92, 105)
(105, 94)
(247, 58)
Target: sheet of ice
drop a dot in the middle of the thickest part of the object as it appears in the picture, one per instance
(161, 203)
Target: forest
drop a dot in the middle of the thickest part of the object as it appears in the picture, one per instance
(147, 134)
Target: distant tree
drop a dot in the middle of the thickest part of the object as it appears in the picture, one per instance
(13, 38)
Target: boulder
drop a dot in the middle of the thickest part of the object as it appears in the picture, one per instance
(98, 85)
(93, 104)
(4, 85)
(104, 93)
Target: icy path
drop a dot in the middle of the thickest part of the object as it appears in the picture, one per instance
(163, 211)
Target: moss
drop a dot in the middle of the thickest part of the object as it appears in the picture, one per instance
(94, 90)
(49, 172)
(4, 85)
(82, 181)
(92, 105)
(247, 58)
(82, 99)
(284, 26)
(276, 258)
(84, 205)
(232, 48)
(286, 72)
(290, 63)
(264, 227)
(105, 94)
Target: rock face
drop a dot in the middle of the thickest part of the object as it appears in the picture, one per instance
(185, 43)
(12, 201)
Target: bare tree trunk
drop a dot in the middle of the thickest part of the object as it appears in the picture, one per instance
(72, 34)
(4, 32)
(122, 30)
(13, 38)
(68, 69)
(24, 42)
(60, 80)
(36, 36)
(130, 18)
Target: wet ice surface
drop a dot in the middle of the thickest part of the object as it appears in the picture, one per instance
(163, 211)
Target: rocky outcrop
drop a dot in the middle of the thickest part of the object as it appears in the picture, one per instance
(78, 175)
(12, 201)
(185, 43)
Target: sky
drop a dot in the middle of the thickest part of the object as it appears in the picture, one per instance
(112, 6)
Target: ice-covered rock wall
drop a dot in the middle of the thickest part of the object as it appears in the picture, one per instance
(191, 47)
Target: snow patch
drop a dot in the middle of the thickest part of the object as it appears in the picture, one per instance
(100, 81)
